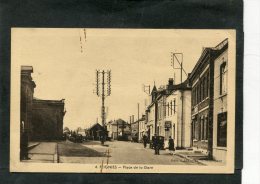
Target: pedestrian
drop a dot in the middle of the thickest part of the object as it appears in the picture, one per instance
(156, 144)
(24, 146)
(145, 140)
(171, 145)
(102, 139)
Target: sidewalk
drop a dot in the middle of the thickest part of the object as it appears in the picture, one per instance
(42, 152)
(197, 156)
(32, 144)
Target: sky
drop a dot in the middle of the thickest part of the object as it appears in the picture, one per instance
(64, 70)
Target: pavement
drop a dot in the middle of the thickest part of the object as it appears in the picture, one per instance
(115, 152)
(43, 152)
(32, 145)
(119, 152)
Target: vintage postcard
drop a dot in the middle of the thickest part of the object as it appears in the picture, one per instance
(122, 100)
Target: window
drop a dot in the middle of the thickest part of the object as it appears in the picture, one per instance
(206, 128)
(208, 85)
(168, 108)
(171, 107)
(197, 95)
(174, 104)
(205, 87)
(202, 128)
(222, 130)
(192, 97)
(223, 79)
(193, 129)
(201, 90)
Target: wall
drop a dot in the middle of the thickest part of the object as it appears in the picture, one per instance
(26, 101)
(220, 105)
(47, 120)
(187, 119)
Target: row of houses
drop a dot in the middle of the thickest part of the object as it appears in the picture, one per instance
(194, 112)
(39, 119)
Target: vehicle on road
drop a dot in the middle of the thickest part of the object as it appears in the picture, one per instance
(161, 142)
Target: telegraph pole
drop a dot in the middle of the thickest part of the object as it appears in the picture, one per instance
(138, 121)
(175, 58)
(104, 93)
(103, 98)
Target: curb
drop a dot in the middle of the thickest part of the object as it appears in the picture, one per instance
(189, 159)
(33, 146)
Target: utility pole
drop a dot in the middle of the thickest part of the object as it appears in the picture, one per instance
(104, 94)
(117, 129)
(138, 121)
(130, 124)
(175, 58)
(103, 98)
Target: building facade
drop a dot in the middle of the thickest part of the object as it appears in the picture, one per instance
(95, 132)
(118, 129)
(142, 127)
(220, 105)
(177, 117)
(150, 114)
(26, 100)
(47, 119)
(203, 98)
(169, 113)
(40, 119)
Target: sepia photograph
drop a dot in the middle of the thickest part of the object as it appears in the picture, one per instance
(90, 100)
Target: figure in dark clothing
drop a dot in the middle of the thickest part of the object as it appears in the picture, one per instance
(102, 138)
(171, 145)
(24, 146)
(145, 140)
(156, 144)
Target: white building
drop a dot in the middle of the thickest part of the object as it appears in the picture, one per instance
(169, 114)
(220, 103)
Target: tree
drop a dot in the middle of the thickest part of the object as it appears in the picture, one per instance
(66, 130)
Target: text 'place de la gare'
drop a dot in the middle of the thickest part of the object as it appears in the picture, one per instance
(183, 123)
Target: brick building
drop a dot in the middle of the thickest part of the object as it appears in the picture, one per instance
(202, 100)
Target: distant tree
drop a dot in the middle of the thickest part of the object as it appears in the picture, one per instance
(66, 130)
(79, 129)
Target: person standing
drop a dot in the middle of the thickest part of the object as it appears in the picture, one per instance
(145, 140)
(24, 146)
(171, 145)
(156, 144)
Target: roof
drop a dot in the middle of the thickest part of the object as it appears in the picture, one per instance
(50, 102)
(154, 89)
(27, 68)
(217, 50)
(119, 121)
(140, 119)
(96, 124)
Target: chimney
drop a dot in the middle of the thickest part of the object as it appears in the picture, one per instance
(170, 82)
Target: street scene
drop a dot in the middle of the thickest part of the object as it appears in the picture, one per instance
(117, 152)
(167, 103)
